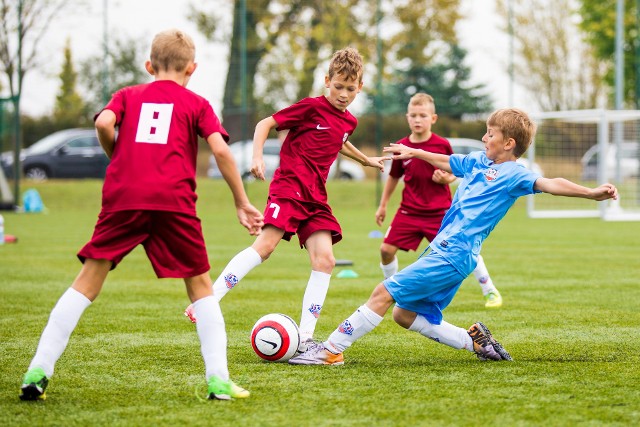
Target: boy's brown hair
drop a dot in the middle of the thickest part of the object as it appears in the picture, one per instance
(347, 62)
(516, 124)
(421, 98)
(172, 50)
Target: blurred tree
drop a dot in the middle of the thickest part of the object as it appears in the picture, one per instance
(552, 60)
(290, 42)
(447, 82)
(37, 15)
(69, 109)
(599, 25)
(238, 103)
(126, 68)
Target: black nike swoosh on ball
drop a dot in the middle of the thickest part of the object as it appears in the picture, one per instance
(272, 344)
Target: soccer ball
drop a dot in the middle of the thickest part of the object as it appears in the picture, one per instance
(275, 337)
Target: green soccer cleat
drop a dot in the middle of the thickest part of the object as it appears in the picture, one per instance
(493, 299)
(225, 390)
(34, 384)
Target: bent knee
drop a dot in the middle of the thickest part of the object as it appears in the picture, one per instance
(265, 249)
(403, 318)
(324, 263)
(387, 253)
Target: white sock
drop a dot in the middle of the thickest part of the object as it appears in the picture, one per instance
(239, 266)
(213, 337)
(62, 321)
(312, 303)
(444, 333)
(482, 276)
(390, 269)
(361, 322)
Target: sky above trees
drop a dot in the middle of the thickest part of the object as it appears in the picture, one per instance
(479, 34)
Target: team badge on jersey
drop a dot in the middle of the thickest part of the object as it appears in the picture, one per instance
(315, 310)
(346, 328)
(230, 280)
(491, 174)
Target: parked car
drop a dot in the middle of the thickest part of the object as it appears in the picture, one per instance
(629, 161)
(70, 153)
(242, 151)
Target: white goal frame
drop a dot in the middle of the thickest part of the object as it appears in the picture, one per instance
(610, 125)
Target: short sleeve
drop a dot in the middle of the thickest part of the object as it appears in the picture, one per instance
(115, 104)
(523, 181)
(459, 164)
(293, 115)
(209, 123)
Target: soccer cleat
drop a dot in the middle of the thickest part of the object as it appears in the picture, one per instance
(34, 385)
(219, 389)
(190, 313)
(493, 299)
(485, 346)
(306, 345)
(317, 354)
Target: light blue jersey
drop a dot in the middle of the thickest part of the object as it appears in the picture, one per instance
(484, 196)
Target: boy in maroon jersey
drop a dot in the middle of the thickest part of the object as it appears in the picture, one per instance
(425, 198)
(318, 129)
(149, 198)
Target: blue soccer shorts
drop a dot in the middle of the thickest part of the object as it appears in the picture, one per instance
(425, 287)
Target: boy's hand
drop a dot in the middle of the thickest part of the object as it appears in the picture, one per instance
(399, 151)
(258, 168)
(442, 177)
(381, 214)
(604, 192)
(376, 162)
(251, 218)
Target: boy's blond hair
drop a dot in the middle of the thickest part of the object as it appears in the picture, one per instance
(347, 62)
(516, 124)
(172, 50)
(421, 98)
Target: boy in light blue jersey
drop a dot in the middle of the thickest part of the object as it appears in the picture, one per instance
(492, 182)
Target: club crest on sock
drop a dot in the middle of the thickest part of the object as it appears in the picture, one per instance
(346, 328)
(230, 280)
(315, 310)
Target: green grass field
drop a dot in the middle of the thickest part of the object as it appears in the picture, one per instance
(570, 320)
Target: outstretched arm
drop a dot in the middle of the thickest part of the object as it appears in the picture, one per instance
(349, 150)
(564, 187)
(400, 152)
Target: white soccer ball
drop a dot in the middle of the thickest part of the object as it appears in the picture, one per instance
(275, 337)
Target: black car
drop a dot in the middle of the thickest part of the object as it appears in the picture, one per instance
(71, 153)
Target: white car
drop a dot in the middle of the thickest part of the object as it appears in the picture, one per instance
(342, 168)
(629, 161)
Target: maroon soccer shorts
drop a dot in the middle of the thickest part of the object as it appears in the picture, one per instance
(303, 219)
(407, 231)
(173, 241)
